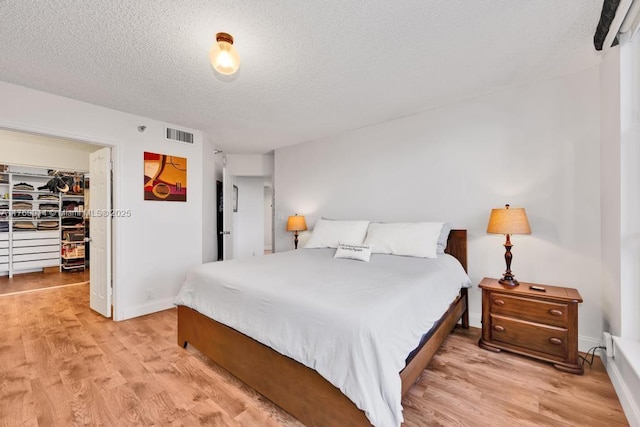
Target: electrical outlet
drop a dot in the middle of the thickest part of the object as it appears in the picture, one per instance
(607, 341)
(149, 294)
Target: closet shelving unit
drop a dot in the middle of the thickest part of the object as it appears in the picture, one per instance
(32, 248)
(31, 235)
(73, 245)
(5, 222)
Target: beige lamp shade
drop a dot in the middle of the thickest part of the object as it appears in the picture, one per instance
(296, 223)
(508, 220)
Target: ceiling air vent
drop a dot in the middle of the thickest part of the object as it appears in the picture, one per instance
(179, 135)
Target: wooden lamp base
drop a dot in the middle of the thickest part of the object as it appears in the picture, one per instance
(508, 279)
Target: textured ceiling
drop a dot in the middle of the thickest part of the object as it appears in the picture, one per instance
(309, 69)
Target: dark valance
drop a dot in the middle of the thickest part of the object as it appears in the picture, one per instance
(606, 17)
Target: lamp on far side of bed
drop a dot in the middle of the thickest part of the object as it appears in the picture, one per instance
(508, 221)
(296, 223)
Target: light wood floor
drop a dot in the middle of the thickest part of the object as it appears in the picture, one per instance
(30, 281)
(61, 364)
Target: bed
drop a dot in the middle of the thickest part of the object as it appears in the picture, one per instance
(301, 390)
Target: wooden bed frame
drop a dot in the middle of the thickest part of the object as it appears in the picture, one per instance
(299, 390)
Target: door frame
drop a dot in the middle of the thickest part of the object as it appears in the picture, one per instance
(219, 221)
(115, 193)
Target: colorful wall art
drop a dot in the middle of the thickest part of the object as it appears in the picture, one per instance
(165, 177)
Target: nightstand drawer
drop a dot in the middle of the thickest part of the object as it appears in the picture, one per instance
(534, 310)
(545, 339)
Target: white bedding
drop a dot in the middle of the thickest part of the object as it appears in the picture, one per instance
(353, 322)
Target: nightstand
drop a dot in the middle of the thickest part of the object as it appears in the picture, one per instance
(535, 323)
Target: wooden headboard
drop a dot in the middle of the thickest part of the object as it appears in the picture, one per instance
(457, 246)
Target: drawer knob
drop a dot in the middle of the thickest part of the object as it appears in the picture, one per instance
(555, 312)
(498, 328)
(555, 340)
(498, 302)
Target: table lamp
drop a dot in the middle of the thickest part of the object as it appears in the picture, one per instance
(296, 223)
(508, 221)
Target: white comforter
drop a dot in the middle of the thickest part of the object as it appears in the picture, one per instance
(353, 322)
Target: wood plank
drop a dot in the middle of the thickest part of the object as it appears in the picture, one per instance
(40, 280)
(39, 385)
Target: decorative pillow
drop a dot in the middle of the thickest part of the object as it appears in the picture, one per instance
(444, 236)
(328, 234)
(357, 252)
(417, 239)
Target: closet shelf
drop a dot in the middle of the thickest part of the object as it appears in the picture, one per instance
(47, 229)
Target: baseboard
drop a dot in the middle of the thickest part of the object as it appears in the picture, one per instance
(147, 308)
(586, 343)
(475, 320)
(626, 381)
(629, 406)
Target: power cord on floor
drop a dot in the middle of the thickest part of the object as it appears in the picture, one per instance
(592, 350)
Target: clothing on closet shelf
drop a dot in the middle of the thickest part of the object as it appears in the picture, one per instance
(74, 262)
(47, 197)
(23, 186)
(22, 206)
(48, 207)
(4, 226)
(24, 225)
(48, 225)
(22, 196)
(71, 206)
(72, 220)
(22, 213)
(53, 215)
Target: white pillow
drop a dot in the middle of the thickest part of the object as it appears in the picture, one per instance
(357, 252)
(417, 239)
(329, 234)
(444, 237)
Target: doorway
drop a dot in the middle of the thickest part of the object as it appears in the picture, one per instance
(245, 221)
(44, 227)
(268, 218)
(219, 219)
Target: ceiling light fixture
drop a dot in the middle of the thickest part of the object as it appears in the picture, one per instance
(223, 56)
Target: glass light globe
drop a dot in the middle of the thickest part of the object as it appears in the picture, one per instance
(223, 56)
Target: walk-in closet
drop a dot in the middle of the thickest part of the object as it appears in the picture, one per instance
(44, 221)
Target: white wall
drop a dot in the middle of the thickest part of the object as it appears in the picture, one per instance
(630, 188)
(535, 147)
(162, 240)
(268, 218)
(248, 222)
(250, 164)
(20, 148)
(620, 157)
(610, 183)
(620, 128)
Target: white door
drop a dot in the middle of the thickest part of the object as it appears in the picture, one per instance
(100, 231)
(228, 204)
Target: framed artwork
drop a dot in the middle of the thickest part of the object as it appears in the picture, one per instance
(165, 177)
(235, 198)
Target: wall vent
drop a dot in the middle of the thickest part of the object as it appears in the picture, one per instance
(178, 135)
